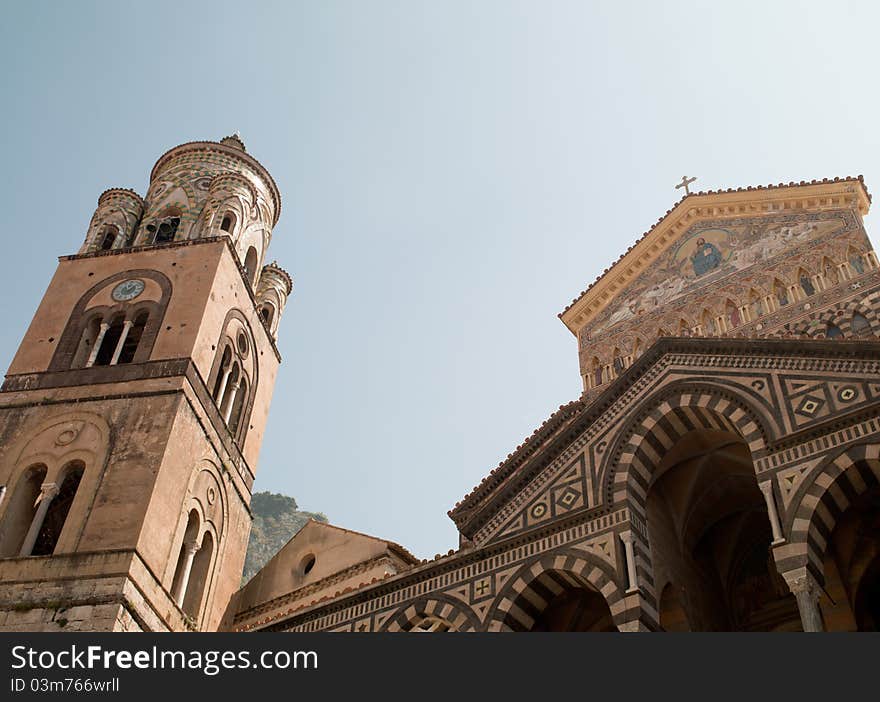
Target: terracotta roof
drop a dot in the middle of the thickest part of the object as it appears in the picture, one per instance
(750, 188)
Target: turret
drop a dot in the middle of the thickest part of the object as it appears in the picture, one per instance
(274, 287)
(115, 220)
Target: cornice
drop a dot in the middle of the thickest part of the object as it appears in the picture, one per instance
(838, 193)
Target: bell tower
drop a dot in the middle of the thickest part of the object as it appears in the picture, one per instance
(132, 414)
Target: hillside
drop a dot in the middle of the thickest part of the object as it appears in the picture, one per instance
(276, 519)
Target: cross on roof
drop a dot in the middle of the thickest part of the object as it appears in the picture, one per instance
(685, 181)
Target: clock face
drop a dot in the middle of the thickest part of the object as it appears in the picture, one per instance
(128, 290)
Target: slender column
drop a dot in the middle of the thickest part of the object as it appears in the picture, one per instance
(806, 591)
(48, 492)
(126, 326)
(2, 494)
(222, 387)
(97, 347)
(232, 393)
(627, 538)
(767, 489)
(189, 553)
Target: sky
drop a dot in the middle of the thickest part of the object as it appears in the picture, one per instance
(453, 174)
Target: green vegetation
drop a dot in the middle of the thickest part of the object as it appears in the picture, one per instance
(276, 519)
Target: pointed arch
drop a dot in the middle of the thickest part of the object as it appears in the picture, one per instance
(780, 292)
(805, 281)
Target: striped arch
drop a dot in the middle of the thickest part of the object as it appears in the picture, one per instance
(840, 481)
(531, 588)
(642, 445)
(841, 315)
(442, 607)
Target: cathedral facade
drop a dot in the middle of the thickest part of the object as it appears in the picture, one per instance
(719, 471)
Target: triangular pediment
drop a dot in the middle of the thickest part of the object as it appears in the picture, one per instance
(706, 236)
(318, 551)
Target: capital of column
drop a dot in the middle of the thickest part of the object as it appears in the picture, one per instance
(49, 491)
(191, 546)
(801, 582)
(627, 537)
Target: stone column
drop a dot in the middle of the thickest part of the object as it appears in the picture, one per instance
(97, 347)
(2, 494)
(233, 391)
(806, 591)
(189, 553)
(767, 489)
(48, 492)
(222, 387)
(126, 326)
(627, 538)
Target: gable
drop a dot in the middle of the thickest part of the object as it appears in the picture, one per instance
(317, 551)
(701, 260)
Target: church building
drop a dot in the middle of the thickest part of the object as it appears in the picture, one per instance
(720, 470)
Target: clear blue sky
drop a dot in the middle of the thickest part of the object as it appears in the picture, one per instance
(453, 174)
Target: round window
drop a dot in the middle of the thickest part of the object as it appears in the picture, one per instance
(242, 344)
(307, 564)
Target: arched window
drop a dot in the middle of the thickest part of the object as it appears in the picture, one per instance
(222, 376)
(250, 265)
(234, 375)
(230, 391)
(199, 576)
(108, 238)
(238, 405)
(164, 229)
(185, 557)
(596, 372)
(133, 338)
(756, 303)
(707, 322)
(617, 362)
(267, 313)
(806, 283)
(860, 325)
(228, 222)
(833, 331)
(781, 293)
(20, 511)
(829, 272)
(856, 262)
(56, 514)
(109, 341)
(733, 314)
(100, 334)
(90, 333)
